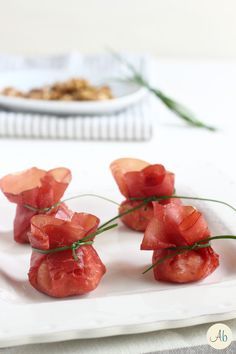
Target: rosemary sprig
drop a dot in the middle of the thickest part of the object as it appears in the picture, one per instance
(73, 247)
(180, 110)
(204, 243)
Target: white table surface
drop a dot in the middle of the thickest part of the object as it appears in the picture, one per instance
(209, 88)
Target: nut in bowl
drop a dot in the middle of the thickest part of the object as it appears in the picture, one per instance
(63, 93)
(75, 89)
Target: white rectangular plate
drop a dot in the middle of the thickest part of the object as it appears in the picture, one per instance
(125, 301)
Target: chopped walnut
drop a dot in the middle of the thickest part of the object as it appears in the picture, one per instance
(70, 90)
(11, 91)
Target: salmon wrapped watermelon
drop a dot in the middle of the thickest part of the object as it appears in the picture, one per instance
(174, 226)
(60, 274)
(32, 190)
(137, 179)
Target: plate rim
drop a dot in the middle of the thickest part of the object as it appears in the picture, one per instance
(51, 332)
(106, 331)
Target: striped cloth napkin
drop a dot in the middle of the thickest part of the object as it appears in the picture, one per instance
(132, 124)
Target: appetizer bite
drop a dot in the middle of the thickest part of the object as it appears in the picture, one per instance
(34, 190)
(137, 180)
(63, 261)
(188, 267)
(170, 234)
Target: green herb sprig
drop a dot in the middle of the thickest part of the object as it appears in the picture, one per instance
(204, 243)
(47, 209)
(75, 245)
(143, 202)
(165, 197)
(180, 110)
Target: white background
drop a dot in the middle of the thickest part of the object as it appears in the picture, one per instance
(170, 28)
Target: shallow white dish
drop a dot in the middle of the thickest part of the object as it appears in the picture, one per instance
(125, 93)
(125, 301)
